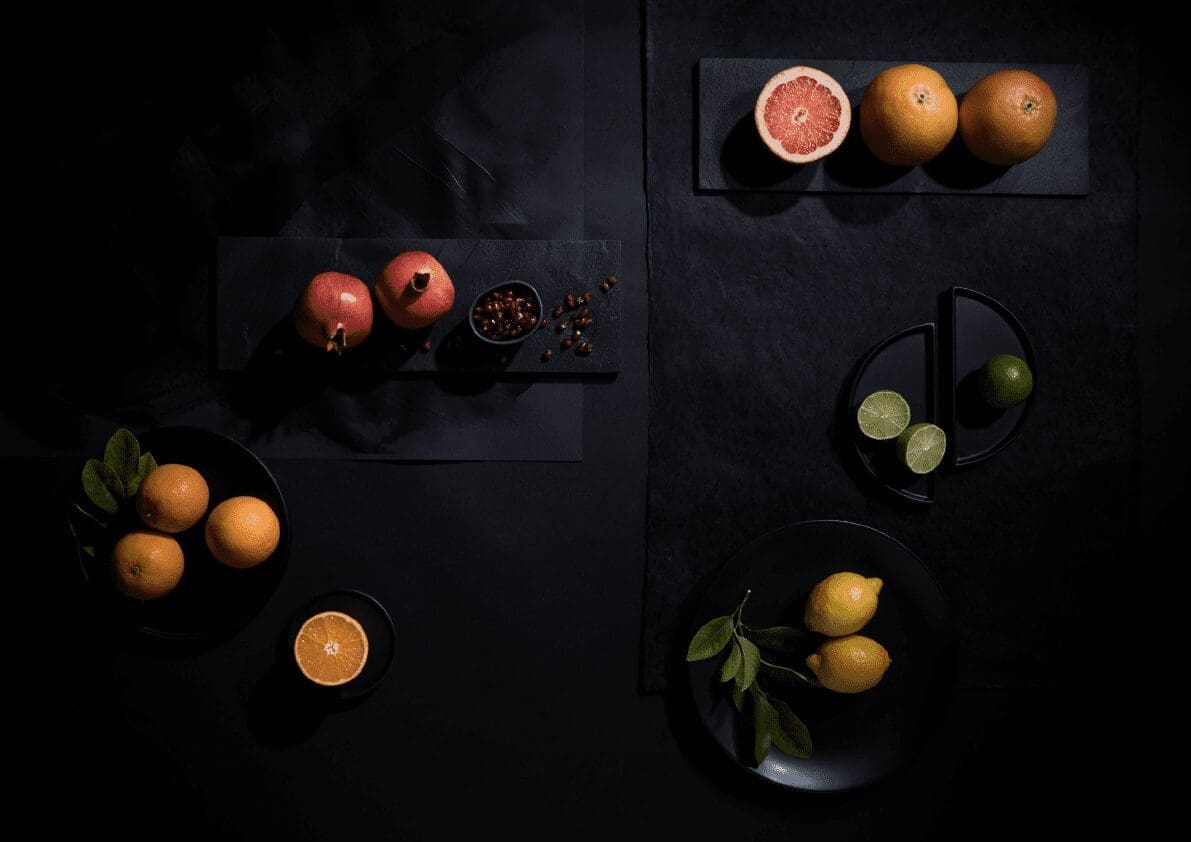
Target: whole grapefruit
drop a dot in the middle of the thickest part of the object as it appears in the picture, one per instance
(1008, 116)
(908, 115)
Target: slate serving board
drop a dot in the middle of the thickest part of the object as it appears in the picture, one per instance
(732, 157)
(258, 279)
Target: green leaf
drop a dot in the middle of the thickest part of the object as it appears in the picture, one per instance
(88, 549)
(778, 638)
(749, 664)
(787, 673)
(764, 722)
(90, 516)
(144, 466)
(710, 639)
(102, 486)
(738, 698)
(791, 734)
(732, 663)
(122, 455)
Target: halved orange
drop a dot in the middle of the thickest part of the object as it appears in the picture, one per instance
(331, 648)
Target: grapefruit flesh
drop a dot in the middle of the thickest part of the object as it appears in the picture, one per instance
(802, 114)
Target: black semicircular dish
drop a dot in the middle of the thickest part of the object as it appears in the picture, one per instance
(907, 364)
(978, 327)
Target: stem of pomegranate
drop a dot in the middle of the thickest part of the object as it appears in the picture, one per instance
(338, 342)
(420, 282)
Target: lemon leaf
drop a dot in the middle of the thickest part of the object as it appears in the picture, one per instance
(750, 662)
(122, 454)
(764, 724)
(787, 673)
(778, 638)
(710, 639)
(102, 486)
(732, 663)
(789, 733)
(738, 698)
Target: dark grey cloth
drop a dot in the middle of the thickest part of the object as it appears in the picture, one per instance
(761, 304)
(395, 122)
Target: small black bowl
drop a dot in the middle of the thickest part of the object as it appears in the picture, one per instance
(382, 641)
(516, 286)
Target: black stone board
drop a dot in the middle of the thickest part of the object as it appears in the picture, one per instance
(260, 278)
(732, 156)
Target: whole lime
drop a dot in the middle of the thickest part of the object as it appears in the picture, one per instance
(1006, 381)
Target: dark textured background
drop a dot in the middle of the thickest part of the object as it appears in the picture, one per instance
(350, 119)
(816, 280)
(513, 703)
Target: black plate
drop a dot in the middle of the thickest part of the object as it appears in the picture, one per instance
(980, 327)
(857, 738)
(905, 363)
(212, 600)
(377, 624)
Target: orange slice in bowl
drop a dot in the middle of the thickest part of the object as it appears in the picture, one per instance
(331, 648)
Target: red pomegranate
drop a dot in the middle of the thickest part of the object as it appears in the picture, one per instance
(414, 290)
(334, 312)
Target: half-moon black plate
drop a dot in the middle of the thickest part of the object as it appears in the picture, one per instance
(980, 327)
(211, 601)
(905, 363)
(857, 738)
(377, 624)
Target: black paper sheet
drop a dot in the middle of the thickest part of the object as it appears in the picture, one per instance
(732, 156)
(260, 278)
(761, 304)
(410, 122)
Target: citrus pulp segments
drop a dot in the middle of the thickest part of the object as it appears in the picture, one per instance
(802, 114)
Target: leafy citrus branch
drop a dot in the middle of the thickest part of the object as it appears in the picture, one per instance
(774, 722)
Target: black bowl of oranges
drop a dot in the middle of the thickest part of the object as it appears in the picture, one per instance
(183, 531)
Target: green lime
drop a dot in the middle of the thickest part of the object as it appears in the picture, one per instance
(1006, 381)
(883, 415)
(920, 447)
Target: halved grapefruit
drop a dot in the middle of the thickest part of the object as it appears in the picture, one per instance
(802, 114)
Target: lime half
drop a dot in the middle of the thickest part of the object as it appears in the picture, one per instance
(883, 415)
(1006, 381)
(920, 447)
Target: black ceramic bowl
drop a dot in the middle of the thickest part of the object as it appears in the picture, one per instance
(519, 288)
(212, 601)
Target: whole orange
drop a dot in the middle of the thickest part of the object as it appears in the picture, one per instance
(1008, 116)
(908, 115)
(146, 565)
(172, 498)
(242, 531)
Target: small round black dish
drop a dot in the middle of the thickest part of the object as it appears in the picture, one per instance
(377, 624)
(857, 738)
(516, 286)
(211, 601)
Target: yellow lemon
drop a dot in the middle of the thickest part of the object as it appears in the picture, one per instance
(842, 604)
(849, 664)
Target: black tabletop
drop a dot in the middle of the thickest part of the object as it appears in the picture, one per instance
(514, 700)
